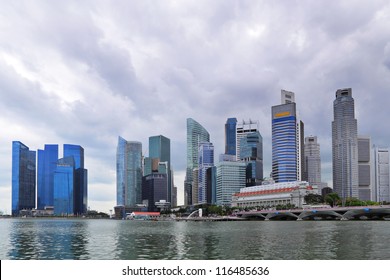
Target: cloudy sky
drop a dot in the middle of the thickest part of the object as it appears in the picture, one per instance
(85, 72)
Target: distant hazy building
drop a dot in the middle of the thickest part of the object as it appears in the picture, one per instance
(230, 136)
(230, 178)
(206, 160)
(196, 134)
(47, 163)
(312, 158)
(251, 152)
(345, 146)
(364, 167)
(381, 175)
(287, 140)
(23, 178)
(128, 173)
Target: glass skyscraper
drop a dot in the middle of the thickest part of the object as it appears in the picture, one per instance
(23, 178)
(47, 163)
(345, 145)
(128, 173)
(230, 178)
(230, 136)
(160, 149)
(80, 177)
(206, 161)
(312, 160)
(251, 152)
(196, 134)
(64, 189)
(287, 141)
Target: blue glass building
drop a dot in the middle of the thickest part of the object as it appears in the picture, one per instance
(206, 160)
(230, 136)
(47, 163)
(128, 173)
(251, 152)
(23, 178)
(64, 186)
(80, 178)
(285, 150)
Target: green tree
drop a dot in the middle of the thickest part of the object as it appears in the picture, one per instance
(312, 198)
(332, 199)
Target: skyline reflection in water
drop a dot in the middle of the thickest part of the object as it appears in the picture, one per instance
(76, 239)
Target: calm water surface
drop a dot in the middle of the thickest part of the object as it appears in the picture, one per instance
(129, 240)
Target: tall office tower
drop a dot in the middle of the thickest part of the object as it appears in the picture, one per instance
(47, 163)
(206, 161)
(242, 130)
(364, 167)
(80, 178)
(230, 178)
(230, 136)
(64, 187)
(287, 140)
(195, 135)
(23, 178)
(381, 175)
(312, 158)
(251, 152)
(345, 146)
(195, 186)
(160, 148)
(128, 173)
(211, 185)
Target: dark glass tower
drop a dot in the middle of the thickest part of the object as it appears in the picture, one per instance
(47, 163)
(80, 178)
(23, 178)
(206, 161)
(230, 136)
(251, 152)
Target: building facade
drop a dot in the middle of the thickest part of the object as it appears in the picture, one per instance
(128, 173)
(196, 134)
(271, 195)
(364, 167)
(243, 129)
(23, 178)
(47, 163)
(64, 187)
(230, 136)
(287, 140)
(154, 190)
(345, 145)
(312, 158)
(381, 174)
(251, 152)
(206, 161)
(230, 178)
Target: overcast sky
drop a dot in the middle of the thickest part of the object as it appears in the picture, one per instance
(85, 72)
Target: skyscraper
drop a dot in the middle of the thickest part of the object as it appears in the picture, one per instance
(47, 163)
(345, 145)
(160, 149)
(80, 177)
(206, 161)
(312, 158)
(64, 187)
(381, 175)
(242, 129)
(287, 140)
(196, 134)
(230, 136)
(364, 167)
(23, 178)
(128, 173)
(230, 178)
(251, 152)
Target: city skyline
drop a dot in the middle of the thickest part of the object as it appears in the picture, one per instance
(90, 74)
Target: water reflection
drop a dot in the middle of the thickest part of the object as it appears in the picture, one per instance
(130, 240)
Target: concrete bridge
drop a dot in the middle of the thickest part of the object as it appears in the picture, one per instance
(335, 213)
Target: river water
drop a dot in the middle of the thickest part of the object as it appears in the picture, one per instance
(74, 239)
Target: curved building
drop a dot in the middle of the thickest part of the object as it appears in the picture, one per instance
(196, 134)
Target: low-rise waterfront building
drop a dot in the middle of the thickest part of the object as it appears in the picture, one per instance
(270, 195)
